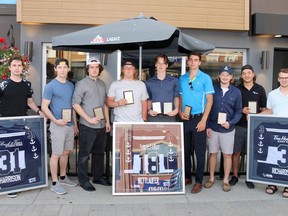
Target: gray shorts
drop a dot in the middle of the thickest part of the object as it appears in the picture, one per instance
(221, 141)
(62, 138)
(240, 143)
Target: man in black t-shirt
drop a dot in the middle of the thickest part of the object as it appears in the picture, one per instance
(16, 93)
(253, 101)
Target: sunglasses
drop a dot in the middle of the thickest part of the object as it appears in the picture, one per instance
(191, 86)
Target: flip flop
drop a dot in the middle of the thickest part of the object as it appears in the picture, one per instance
(285, 192)
(271, 189)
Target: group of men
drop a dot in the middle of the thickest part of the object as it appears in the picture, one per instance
(212, 114)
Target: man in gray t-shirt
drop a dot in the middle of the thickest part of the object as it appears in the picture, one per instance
(89, 102)
(128, 96)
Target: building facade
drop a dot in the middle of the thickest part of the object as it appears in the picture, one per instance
(226, 24)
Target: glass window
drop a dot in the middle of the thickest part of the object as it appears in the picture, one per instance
(234, 58)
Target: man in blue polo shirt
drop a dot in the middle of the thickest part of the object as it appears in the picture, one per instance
(196, 98)
(163, 91)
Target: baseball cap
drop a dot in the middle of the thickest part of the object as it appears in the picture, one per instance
(129, 62)
(227, 69)
(93, 60)
(61, 61)
(247, 67)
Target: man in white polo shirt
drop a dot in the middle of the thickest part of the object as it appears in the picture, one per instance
(277, 104)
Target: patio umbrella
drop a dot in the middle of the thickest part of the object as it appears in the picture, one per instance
(139, 33)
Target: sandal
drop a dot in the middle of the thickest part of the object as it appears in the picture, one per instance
(271, 189)
(285, 192)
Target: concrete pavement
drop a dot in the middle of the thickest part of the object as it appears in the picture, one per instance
(239, 201)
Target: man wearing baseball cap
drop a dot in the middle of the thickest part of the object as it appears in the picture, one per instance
(89, 102)
(225, 113)
(128, 96)
(253, 101)
(57, 106)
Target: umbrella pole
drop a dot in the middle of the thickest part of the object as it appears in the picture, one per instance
(140, 62)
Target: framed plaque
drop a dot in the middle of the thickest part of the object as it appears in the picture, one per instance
(167, 107)
(156, 106)
(222, 117)
(23, 154)
(128, 95)
(98, 112)
(148, 158)
(252, 107)
(67, 115)
(187, 111)
(267, 149)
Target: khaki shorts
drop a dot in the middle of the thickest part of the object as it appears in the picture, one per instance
(62, 138)
(221, 141)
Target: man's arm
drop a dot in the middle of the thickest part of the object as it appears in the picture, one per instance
(176, 107)
(144, 109)
(266, 111)
(181, 114)
(113, 104)
(107, 118)
(48, 113)
(84, 115)
(33, 106)
(202, 124)
(75, 123)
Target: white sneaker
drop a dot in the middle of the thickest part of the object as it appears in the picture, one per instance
(12, 195)
(67, 182)
(58, 189)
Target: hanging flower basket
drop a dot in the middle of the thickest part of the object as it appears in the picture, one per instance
(5, 55)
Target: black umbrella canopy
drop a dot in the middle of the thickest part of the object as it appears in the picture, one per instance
(130, 34)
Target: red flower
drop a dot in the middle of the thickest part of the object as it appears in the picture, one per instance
(2, 40)
(4, 77)
(4, 47)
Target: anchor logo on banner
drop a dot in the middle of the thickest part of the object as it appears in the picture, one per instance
(260, 143)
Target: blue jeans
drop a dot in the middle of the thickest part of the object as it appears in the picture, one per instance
(92, 141)
(199, 140)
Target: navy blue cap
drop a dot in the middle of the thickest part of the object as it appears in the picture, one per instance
(226, 69)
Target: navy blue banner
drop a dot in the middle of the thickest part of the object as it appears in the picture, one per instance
(22, 154)
(268, 149)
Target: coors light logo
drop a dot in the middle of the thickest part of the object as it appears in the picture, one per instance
(98, 39)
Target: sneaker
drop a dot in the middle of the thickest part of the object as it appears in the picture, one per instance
(250, 185)
(67, 182)
(233, 180)
(58, 189)
(12, 195)
(226, 187)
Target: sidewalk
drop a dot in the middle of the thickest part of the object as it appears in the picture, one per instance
(239, 201)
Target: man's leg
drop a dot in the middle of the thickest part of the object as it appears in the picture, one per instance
(98, 153)
(187, 152)
(212, 165)
(239, 142)
(54, 167)
(63, 162)
(87, 137)
(235, 163)
(200, 150)
(227, 166)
